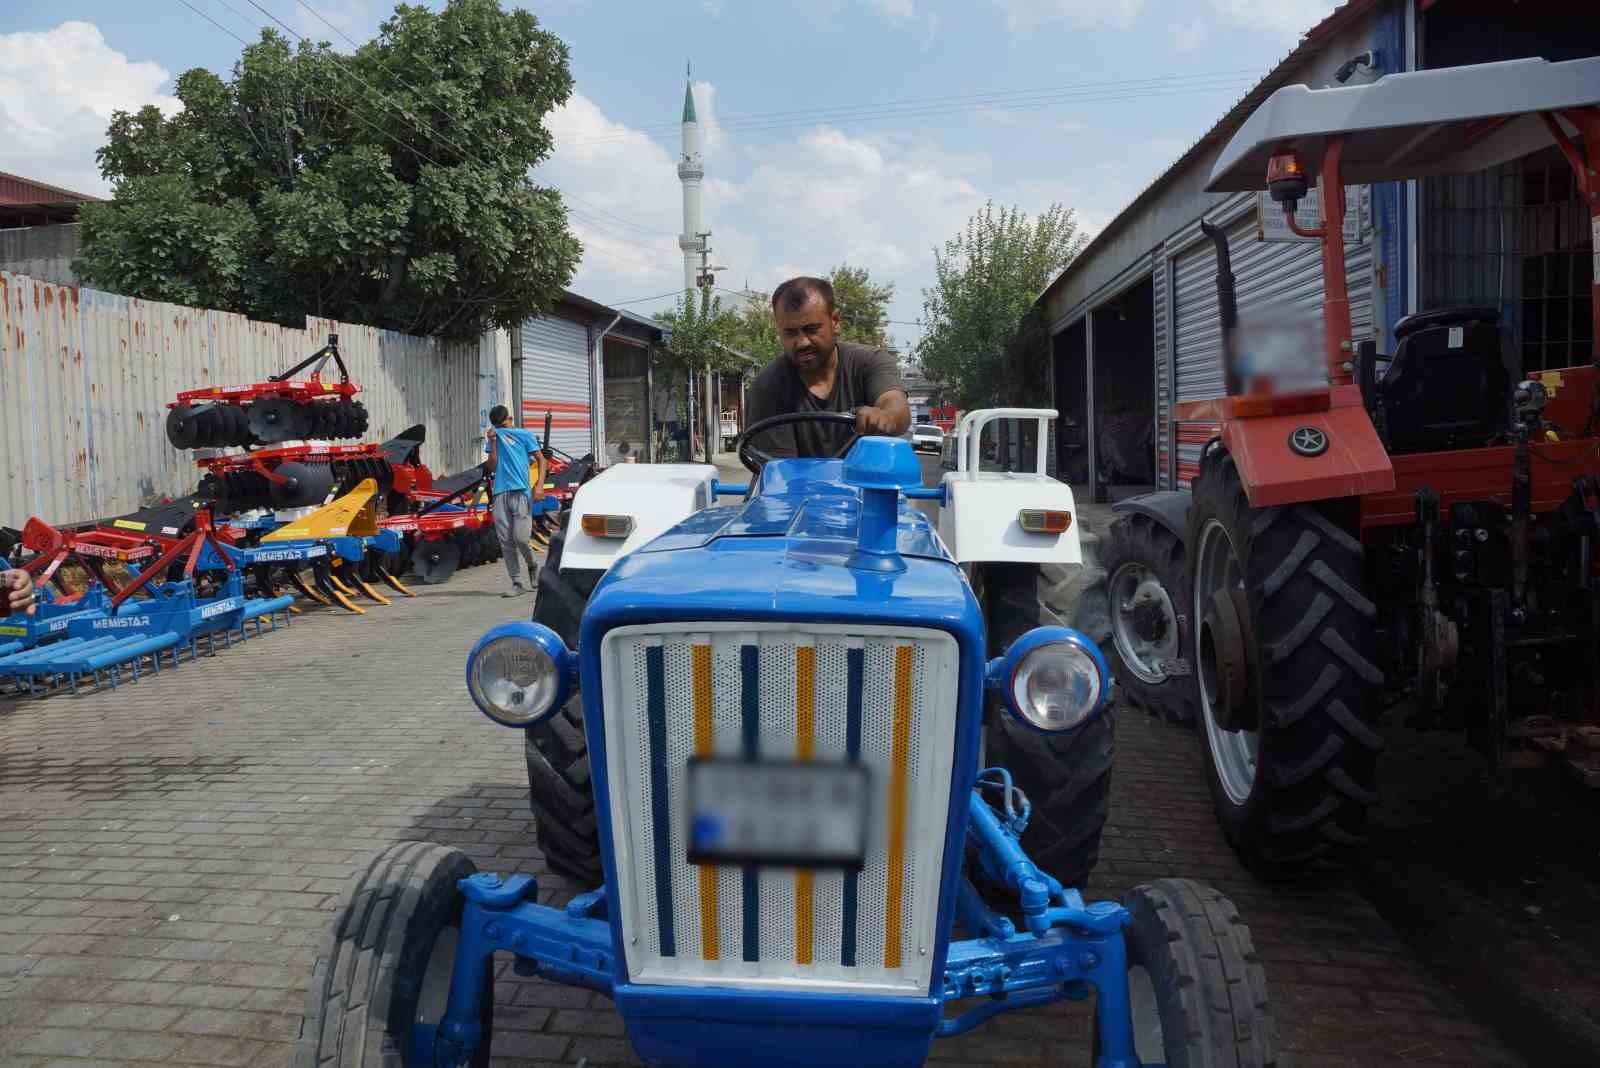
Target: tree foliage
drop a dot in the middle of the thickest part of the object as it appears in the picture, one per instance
(704, 337)
(387, 187)
(985, 282)
(863, 307)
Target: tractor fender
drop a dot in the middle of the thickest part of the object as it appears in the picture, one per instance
(979, 522)
(1169, 508)
(656, 497)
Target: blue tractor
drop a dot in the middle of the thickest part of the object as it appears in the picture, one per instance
(785, 711)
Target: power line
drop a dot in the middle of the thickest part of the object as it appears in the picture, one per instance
(1087, 92)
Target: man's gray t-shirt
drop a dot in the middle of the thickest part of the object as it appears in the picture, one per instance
(864, 375)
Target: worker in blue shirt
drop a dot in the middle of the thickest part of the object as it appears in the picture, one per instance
(512, 453)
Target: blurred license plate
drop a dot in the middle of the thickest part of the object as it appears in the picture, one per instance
(777, 813)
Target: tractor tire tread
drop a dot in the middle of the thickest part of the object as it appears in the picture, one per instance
(367, 975)
(1204, 967)
(1316, 768)
(560, 792)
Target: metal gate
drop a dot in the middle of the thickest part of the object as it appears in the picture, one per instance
(555, 379)
(1265, 273)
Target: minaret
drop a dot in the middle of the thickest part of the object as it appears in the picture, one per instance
(691, 168)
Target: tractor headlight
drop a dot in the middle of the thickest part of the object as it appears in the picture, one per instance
(519, 673)
(1052, 679)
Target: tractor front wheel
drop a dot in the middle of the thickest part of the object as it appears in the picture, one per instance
(1282, 642)
(1144, 587)
(557, 751)
(1067, 777)
(385, 964)
(1197, 992)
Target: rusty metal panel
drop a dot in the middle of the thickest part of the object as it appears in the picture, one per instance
(85, 378)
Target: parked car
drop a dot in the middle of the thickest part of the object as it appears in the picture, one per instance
(926, 436)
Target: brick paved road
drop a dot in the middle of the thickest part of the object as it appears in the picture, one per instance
(169, 855)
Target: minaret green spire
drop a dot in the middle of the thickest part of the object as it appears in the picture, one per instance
(688, 100)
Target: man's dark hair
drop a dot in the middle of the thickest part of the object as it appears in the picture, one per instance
(794, 293)
(498, 415)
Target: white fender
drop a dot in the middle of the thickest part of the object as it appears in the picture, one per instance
(979, 519)
(655, 496)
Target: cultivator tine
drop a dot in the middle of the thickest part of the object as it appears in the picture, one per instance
(351, 576)
(325, 582)
(299, 583)
(338, 584)
(393, 583)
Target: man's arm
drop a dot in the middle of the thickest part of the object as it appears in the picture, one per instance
(890, 413)
(493, 457)
(543, 466)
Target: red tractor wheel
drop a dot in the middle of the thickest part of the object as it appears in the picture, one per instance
(1283, 646)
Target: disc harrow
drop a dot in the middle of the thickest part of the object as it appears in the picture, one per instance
(283, 408)
(304, 476)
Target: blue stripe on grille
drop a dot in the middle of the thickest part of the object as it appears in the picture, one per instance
(856, 661)
(660, 824)
(750, 729)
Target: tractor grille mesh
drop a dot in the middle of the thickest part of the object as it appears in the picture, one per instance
(884, 696)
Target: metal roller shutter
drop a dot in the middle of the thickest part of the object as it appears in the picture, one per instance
(1161, 280)
(555, 379)
(1265, 273)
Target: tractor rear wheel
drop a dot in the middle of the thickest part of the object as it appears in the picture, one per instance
(1283, 648)
(1067, 777)
(1144, 585)
(557, 751)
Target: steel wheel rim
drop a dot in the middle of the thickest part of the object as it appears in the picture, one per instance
(1148, 1040)
(435, 992)
(1233, 753)
(1131, 581)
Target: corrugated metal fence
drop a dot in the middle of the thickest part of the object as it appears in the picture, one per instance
(85, 378)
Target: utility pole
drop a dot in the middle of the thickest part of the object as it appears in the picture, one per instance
(706, 279)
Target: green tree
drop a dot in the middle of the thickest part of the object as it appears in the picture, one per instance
(704, 339)
(985, 282)
(863, 307)
(752, 330)
(387, 187)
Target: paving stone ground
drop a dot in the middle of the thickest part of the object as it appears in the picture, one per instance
(171, 852)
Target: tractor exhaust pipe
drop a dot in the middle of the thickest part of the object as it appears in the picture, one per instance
(1227, 305)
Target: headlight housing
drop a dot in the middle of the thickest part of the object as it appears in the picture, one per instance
(1052, 679)
(520, 673)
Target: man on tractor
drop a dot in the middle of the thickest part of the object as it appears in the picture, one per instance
(818, 373)
(513, 453)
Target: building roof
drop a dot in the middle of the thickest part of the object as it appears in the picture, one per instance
(28, 202)
(598, 310)
(1313, 39)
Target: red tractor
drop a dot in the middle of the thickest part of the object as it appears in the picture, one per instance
(1420, 527)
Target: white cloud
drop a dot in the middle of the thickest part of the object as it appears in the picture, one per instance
(1288, 18)
(894, 10)
(53, 118)
(712, 8)
(1187, 36)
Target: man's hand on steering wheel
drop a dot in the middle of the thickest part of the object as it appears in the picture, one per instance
(870, 420)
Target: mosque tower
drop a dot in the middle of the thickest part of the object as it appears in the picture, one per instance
(691, 169)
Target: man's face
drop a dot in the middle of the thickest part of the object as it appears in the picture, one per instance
(808, 333)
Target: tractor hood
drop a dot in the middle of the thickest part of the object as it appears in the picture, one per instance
(787, 553)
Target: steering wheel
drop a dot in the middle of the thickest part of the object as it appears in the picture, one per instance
(755, 459)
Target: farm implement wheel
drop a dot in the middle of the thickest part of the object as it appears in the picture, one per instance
(1144, 585)
(384, 964)
(557, 752)
(1196, 989)
(1067, 778)
(1283, 650)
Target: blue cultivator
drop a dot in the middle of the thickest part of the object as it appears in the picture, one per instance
(100, 642)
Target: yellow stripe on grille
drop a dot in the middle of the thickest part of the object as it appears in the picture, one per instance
(900, 755)
(703, 735)
(805, 747)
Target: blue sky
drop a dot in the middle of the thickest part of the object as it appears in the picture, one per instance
(1027, 102)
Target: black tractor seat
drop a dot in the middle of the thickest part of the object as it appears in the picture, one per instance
(1449, 384)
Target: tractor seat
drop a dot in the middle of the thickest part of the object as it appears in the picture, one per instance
(1422, 320)
(1450, 383)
